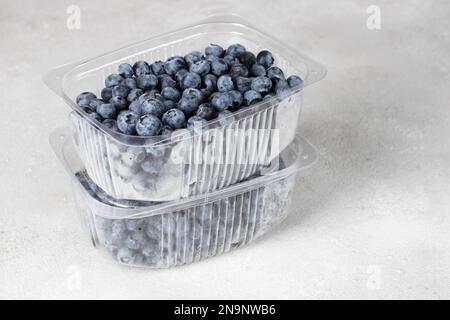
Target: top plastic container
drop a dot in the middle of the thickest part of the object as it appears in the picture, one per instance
(211, 157)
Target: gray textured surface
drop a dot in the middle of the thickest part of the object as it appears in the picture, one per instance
(370, 219)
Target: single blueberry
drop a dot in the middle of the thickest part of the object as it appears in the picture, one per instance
(192, 94)
(148, 125)
(113, 80)
(261, 84)
(130, 83)
(106, 94)
(106, 110)
(251, 97)
(246, 58)
(141, 68)
(206, 111)
(158, 67)
(294, 81)
(92, 114)
(219, 67)
(126, 121)
(147, 81)
(110, 124)
(238, 70)
(166, 130)
(230, 60)
(180, 74)
(193, 57)
(119, 103)
(265, 58)
(120, 91)
(166, 81)
(190, 80)
(83, 99)
(279, 85)
(201, 67)
(221, 101)
(243, 84)
(174, 118)
(214, 50)
(174, 64)
(187, 106)
(275, 72)
(210, 82)
(135, 106)
(225, 83)
(257, 70)
(226, 118)
(152, 106)
(134, 94)
(235, 49)
(125, 70)
(236, 99)
(195, 122)
(171, 94)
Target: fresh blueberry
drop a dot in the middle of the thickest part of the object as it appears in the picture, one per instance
(106, 94)
(147, 81)
(219, 67)
(180, 74)
(261, 84)
(166, 81)
(135, 106)
(230, 60)
(246, 58)
(119, 103)
(174, 118)
(257, 70)
(243, 84)
(92, 114)
(153, 106)
(134, 94)
(171, 94)
(158, 67)
(265, 59)
(210, 82)
(120, 91)
(110, 124)
(190, 80)
(187, 106)
(206, 111)
(166, 130)
(174, 64)
(294, 81)
(94, 103)
(279, 85)
(236, 99)
(141, 68)
(201, 67)
(225, 83)
(130, 83)
(125, 70)
(275, 72)
(148, 125)
(225, 118)
(169, 104)
(85, 98)
(106, 110)
(113, 80)
(235, 49)
(221, 101)
(126, 121)
(195, 122)
(214, 50)
(192, 94)
(251, 97)
(238, 70)
(193, 57)
(125, 255)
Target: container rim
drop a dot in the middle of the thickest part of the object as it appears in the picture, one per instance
(56, 78)
(62, 143)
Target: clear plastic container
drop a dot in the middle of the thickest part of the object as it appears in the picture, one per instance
(166, 234)
(188, 163)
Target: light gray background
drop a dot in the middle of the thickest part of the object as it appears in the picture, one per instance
(370, 220)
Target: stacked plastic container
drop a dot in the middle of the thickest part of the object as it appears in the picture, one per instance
(217, 187)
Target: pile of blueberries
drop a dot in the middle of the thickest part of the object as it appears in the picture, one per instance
(182, 92)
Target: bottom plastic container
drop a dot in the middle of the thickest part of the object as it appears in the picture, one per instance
(166, 234)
